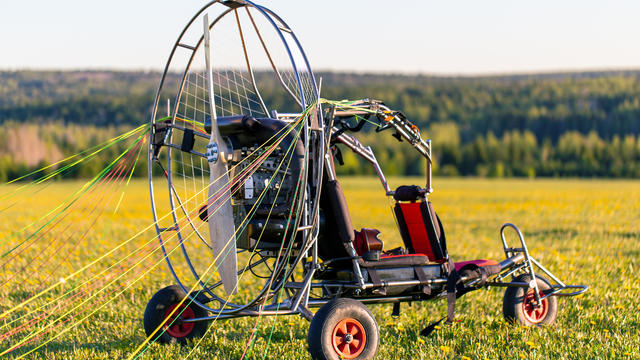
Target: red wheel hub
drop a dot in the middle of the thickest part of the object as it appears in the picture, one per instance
(532, 311)
(349, 338)
(174, 325)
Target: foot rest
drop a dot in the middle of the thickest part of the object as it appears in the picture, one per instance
(478, 263)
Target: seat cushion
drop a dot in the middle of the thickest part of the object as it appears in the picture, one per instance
(396, 261)
(479, 263)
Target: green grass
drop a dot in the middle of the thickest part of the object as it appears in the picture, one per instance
(585, 231)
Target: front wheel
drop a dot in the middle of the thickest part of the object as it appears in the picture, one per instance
(519, 304)
(343, 329)
(165, 304)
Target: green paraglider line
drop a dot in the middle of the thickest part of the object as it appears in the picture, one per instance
(24, 303)
(74, 197)
(98, 148)
(156, 337)
(133, 168)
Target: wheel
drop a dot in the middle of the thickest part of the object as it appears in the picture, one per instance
(343, 329)
(174, 330)
(519, 304)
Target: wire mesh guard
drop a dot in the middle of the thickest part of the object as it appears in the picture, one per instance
(253, 52)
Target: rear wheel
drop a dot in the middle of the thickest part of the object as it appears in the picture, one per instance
(519, 304)
(165, 304)
(343, 329)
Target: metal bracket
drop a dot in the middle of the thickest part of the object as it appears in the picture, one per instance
(234, 4)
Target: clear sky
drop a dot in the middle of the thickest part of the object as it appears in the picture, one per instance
(433, 37)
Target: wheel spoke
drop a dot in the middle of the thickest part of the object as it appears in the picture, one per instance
(354, 330)
(343, 328)
(355, 343)
(534, 311)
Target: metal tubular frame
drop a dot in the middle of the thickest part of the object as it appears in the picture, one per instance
(318, 135)
(528, 267)
(391, 119)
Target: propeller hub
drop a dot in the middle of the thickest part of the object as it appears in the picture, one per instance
(213, 152)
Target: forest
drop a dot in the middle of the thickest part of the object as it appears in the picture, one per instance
(543, 125)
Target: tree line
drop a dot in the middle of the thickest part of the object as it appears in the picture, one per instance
(570, 124)
(513, 154)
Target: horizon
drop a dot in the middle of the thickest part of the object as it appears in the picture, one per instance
(360, 73)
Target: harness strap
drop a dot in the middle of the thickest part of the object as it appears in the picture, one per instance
(377, 283)
(452, 282)
(424, 281)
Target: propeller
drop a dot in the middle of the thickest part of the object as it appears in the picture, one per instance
(221, 225)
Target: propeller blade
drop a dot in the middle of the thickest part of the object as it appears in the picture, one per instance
(220, 212)
(221, 226)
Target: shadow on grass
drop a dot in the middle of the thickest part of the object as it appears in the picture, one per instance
(553, 232)
(114, 348)
(626, 234)
(69, 346)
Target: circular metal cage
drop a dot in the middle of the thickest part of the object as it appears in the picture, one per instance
(266, 105)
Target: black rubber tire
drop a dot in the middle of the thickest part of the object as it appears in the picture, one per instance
(513, 307)
(329, 316)
(156, 309)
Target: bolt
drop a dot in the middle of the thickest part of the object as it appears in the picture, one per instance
(348, 338)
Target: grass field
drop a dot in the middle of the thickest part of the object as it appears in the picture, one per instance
(586, 231)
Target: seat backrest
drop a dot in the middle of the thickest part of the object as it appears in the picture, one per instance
(419, 225)
(336, 228)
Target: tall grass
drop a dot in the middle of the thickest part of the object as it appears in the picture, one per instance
(585, 231)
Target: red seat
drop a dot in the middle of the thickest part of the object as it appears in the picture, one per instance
(479, 263)
(420, 229)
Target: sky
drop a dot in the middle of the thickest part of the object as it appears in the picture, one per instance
(410, 36)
